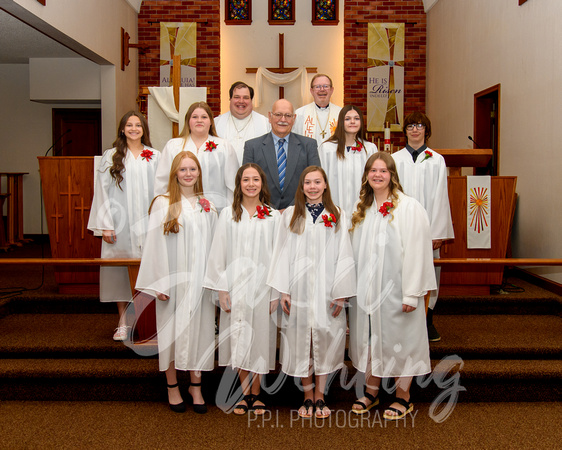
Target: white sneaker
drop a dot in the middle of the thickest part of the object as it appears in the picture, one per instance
(121, 333)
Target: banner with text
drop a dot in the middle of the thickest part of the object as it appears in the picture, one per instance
(178, 38)
(385, 76)
(478, 201)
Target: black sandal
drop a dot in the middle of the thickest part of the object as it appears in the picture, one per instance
(320, 405)
(308, 404)
(399, 414)
(249, 399)
(180, 407)
(199, 408)
(258, 410)
(365, 408)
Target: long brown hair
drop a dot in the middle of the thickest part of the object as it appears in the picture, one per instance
(367, 195)
(186, 131)
(339, 132)
(299, 213)
(171, 222)
(238, 196)
(120, 145)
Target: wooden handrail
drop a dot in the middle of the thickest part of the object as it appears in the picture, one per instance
(136, 261)
(74, 261)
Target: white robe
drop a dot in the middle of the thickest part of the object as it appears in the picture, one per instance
(218, 168)
(124, 210)
(426, 181)
(174, 265)
(344, 175)
(315, 268)
(394, 268)
(311, 121)
(238, 263)
(256, 125)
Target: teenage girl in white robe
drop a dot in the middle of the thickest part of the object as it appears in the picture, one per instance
(217, 157)
(392, 248)
(314, 271)
(172, 269)
(343, 157)
(238, 265)
(123, 191)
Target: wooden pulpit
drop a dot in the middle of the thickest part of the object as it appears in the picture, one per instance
(68, 189)
(471, 279)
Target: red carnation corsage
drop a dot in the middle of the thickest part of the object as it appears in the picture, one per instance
(386, 208)
(147, 154)
(328, 220)
(205, 204)
(427, 154)
(210, 146)
(262, 212)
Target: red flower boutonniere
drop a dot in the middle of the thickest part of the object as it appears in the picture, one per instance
(358, 147)
(328, 220)
(262, 212)
(205, 204)
(427, 155)
(385, 208)
(147, 154)
(210, 146)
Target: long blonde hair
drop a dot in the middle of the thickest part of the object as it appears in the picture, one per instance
(367, 195)
(171, 223)
(299, 213)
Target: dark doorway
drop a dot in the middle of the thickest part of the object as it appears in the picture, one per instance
(76, 132)
(487, 126)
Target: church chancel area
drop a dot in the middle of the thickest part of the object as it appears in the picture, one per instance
(370, 63)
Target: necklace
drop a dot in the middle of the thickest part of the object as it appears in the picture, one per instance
(238, 131)
(323, 128)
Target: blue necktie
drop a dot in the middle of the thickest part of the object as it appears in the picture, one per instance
(281, 161)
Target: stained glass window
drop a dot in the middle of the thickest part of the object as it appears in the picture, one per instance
(281, 12)
(325, 12)
(238, 12)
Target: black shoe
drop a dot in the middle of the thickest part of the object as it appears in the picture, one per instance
(180, 407)
(432, 334)
(199, 408)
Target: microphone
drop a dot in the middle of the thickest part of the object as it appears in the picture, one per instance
(57, 141)
(62, 147)
(474, 142)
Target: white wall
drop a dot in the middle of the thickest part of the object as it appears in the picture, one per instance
(93, 30)
(26, 129)
(475, 44)
(257, 45)
(64, 79)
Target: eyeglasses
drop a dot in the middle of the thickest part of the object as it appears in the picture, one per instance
(419, 126)
(278, 116)
(318, 87)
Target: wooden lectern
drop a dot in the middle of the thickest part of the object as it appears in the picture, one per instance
(68, 189)
(460, 279)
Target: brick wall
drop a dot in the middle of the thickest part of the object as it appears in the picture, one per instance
(357, 13)
(207, 15)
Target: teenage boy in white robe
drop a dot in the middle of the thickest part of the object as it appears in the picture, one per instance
(423, 175)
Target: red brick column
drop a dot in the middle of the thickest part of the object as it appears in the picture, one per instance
(357, 13)
(207, 15)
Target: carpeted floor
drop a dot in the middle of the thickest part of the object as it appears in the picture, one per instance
(70, 425)
(496, 383)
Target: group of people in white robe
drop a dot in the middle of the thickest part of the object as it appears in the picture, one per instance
(210, 237)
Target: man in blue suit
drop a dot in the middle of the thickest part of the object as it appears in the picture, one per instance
(282, 155)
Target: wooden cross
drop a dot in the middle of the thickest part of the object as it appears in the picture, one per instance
(69, 203)
(82, 208)
(176, 83)
(56, 216)
(281, 68)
